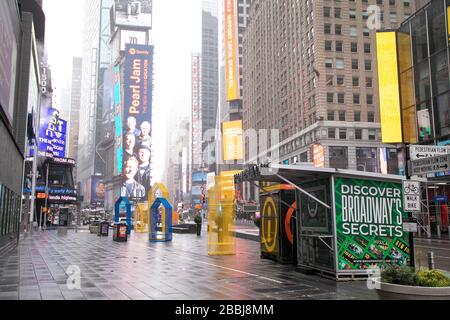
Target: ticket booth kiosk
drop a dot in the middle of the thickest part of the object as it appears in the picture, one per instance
(278, 212)
(348, 222)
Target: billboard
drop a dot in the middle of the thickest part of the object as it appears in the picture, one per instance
(97, 190)
(369, 222)
(388, 81)
(8, 59)
(132, 37)
(231, 51)
(52, 134)
(318, 155)
(118, 121)
(232, 139)
(137, 141)
(133, 13)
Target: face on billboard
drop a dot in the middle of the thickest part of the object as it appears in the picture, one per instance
(137, 105)
(144, 155)
(131, 168)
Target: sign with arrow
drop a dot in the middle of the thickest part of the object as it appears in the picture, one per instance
(430, 165)
(417, 152)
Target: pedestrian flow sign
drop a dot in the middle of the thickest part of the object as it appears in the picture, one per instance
(417, 152)
(411, 196)
(430, 165)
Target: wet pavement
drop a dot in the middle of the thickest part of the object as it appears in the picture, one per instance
(139, 270)
(440, 248)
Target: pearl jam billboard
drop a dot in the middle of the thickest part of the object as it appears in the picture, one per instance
(369, 221)
(137, 141)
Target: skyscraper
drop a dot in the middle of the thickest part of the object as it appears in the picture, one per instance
(209, 71)
(75, 103)
(310, 72)
(96, 60)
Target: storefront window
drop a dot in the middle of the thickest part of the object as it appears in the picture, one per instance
(422, 78)
(367, 160)
(436, 26)
(392, 161)
(424, 123)
(419, 38)
(338, 157)
(442, 104)
(439, 72)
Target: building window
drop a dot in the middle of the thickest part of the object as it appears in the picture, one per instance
(369, 99)
(340, 80)
(355, 81)
(369, 83)
(326, 12)
(370, 116)
(354, 47)
(372, 134)
(328, 45)
(358, 134)
(341, 98)
(357, 116)
(330, 97)
(342, 134)
(328, 63)
(338, 157)
(367, 160)
(366, 47)
(331, 133)
(329, 80)
(338, 46)
(338, 29)
(368, 65)
(339, 64)
(355, 64)
(341, 115)
(356, 99)
(330, 115)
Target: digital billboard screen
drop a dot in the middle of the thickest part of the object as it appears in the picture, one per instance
(133, 13)
(137, 140)
(52, 134)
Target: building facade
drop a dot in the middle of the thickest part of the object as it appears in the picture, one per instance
(96, 60)
(75, 104)
(19, 106)
(310, 73)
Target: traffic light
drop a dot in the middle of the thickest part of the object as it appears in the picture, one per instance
(203, 198)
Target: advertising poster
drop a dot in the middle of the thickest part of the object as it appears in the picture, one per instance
(133, 13)
(118, 119)
(232, 140)
(231, 51)
(369, 222)
(137, 141)
(97, 190)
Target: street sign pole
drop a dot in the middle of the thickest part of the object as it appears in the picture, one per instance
(410, 215)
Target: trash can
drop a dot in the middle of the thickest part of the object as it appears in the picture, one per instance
(120, 232)
(93, 227)
(103, 230)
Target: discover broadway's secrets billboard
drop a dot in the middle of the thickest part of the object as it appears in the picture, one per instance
(369, 221)
(137, 141)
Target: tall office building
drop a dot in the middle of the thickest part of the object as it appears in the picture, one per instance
(310, 72)
(234, 14)
(96, 60)
(209, 73)
(75, 104)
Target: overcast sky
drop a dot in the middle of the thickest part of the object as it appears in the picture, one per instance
(176, 33)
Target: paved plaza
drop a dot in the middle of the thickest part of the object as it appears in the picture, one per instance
(139, 270)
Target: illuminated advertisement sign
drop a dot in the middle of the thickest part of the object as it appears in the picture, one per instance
(131, 37)
(118, 124)
(52, 134)
(231, 52)
(388, 80)
(137, 141)
(8, 59)
(133, 13)
(318, 155)
(97, 190)
(232, 140)
(448, 24)
(369, 222)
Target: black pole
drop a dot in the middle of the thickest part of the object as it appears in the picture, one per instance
(410, 215)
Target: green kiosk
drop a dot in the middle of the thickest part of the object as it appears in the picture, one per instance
(348, 222)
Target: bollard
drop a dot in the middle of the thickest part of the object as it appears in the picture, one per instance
(430, 260)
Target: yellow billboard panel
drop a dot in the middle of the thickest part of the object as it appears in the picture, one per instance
(448, 23)
(232, 140)
(231, 51)
(388, 82)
